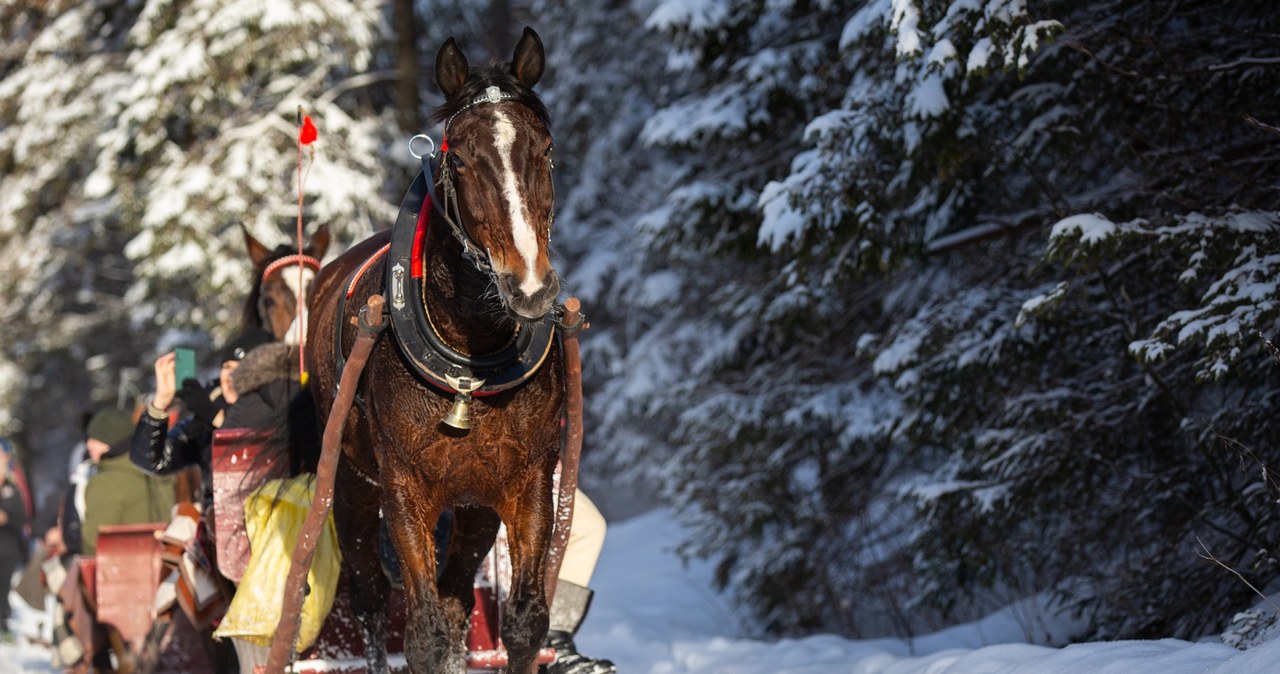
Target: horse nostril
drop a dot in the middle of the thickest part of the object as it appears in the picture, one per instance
(509, 284)
(551, 283)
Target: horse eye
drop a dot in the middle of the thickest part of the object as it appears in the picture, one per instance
(455, 161)
(268, 302)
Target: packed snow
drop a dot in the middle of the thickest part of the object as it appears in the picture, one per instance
(655, 614)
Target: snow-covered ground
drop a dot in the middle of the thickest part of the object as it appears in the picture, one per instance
(654, 615)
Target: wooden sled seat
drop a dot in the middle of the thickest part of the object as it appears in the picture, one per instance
(78, 596)
(110, 599)
(128, 573)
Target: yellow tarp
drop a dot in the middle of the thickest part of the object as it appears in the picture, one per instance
(273, 516)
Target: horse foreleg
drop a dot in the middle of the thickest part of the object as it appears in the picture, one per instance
(412, 513)
(474, 529)
(525, 623)
(355, 513)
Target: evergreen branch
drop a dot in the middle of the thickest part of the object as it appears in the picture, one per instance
(1271, 348)
(1248, 454)
(1078, 46)
(969, 236)
(1237, 504)
(356, 82)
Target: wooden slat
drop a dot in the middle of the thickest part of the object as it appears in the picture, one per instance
(128, 573)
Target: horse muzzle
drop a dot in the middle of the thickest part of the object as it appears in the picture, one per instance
(524, 305)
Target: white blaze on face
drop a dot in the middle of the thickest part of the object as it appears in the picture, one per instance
(293, 336)
(298, 283)
(526, 240)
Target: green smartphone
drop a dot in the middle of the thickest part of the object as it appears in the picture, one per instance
(184, 365)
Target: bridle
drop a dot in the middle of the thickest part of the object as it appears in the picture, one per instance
(442, 172)
(289, 261)
(297, 259)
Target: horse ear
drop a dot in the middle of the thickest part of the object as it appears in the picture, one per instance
(257, 251)
(319, 243)
(530, 59)
(451, 68)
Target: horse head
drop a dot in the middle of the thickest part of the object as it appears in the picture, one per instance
(497, 165)
(282, 278)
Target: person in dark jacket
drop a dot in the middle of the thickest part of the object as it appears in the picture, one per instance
(13, 520)
(164, 450)
(264, 383)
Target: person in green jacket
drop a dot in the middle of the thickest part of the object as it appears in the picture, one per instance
(120, 492)
(106, 488)
(116, 491)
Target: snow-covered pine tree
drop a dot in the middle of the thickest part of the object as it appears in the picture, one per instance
(604, 79)
(135, 138)
(944, 142)
(753, 414)
(1103, 217)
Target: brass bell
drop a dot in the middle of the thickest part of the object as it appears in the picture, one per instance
(459, 415)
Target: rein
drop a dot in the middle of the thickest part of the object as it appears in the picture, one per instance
(470, 249)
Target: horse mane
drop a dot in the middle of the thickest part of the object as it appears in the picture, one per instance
(250, 317)
(498, 75)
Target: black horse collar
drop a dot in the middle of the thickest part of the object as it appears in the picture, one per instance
(439, 364)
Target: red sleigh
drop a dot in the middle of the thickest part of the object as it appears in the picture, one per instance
(340, 646)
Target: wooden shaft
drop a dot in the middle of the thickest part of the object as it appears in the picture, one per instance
(304, 549)
(572, 448)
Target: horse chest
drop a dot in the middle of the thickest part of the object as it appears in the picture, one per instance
(508, 434)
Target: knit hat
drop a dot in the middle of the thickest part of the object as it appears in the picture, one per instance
(112, 426)
(242, 344)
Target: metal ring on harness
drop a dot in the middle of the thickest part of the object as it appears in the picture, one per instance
(429, 153)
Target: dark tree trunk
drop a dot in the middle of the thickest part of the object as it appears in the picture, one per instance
(497, 29)
(407, 100)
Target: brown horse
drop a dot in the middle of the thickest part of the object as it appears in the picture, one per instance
(281, 277)
(474, 293)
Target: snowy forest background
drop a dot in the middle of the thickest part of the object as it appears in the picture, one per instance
(911, 308)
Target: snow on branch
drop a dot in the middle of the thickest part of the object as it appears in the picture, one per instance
(1242, 62)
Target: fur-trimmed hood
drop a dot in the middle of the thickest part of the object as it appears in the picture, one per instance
(265, 364)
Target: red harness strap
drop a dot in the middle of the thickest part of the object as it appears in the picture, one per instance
(419, 237)
(355, 278)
